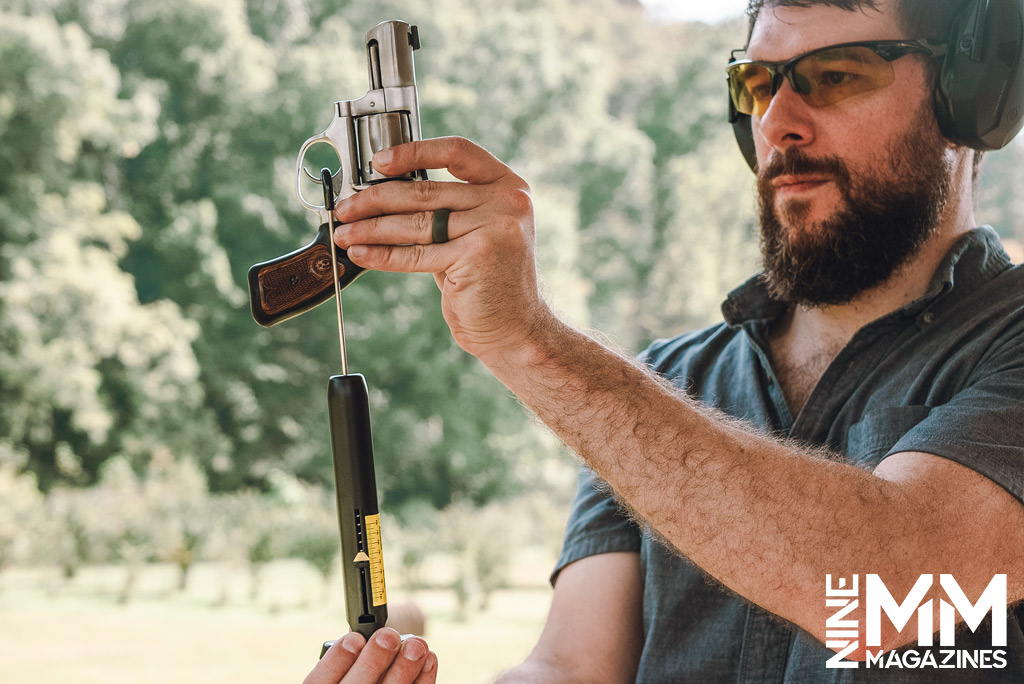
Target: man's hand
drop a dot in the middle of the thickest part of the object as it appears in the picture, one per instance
(486, 272)
(385, 659)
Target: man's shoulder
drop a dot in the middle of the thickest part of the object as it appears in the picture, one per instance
(1012, 281)
(675, 355)
(984, 306)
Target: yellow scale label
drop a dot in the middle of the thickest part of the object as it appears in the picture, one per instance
(380, 593)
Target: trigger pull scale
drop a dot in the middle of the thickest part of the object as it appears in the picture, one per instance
(348, 408)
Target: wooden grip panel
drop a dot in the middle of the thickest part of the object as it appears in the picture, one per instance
(289, 283)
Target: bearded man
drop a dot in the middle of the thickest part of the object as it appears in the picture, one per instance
(858, 414)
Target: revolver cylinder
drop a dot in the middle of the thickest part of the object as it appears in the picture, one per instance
(378, 132)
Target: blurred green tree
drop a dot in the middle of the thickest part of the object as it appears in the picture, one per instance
(86, 369)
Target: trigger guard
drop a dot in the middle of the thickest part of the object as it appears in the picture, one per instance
(315, 208)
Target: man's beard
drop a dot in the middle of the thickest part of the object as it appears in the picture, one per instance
(884, 220)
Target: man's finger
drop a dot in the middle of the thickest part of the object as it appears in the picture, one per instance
(406, 198)
(337, 661)
(429, 673)
(464, 159)
(376, 658)
(402, 259)
(409, 664)
(401, 229)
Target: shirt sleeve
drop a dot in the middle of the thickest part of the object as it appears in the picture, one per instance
(982, 426)
(596, 524)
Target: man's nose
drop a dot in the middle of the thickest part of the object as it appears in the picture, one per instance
(786, 123)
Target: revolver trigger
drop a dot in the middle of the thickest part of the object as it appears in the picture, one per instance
(315, 179)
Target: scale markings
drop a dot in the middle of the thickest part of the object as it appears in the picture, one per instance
(380, 594)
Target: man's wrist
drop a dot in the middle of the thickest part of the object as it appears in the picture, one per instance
(536, 347)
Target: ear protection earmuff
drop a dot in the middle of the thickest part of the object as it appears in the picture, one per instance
(979, 96)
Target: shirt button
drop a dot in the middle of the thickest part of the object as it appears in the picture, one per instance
(927, 318)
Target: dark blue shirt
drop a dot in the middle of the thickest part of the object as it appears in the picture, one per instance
(943, 375)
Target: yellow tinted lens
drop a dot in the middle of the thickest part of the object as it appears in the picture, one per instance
(830, 76)
(751, 86)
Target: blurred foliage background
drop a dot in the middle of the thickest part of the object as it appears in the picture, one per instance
(147, 153)
(146, 157)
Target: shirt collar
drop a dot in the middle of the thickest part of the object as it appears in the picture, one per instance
(976, 258)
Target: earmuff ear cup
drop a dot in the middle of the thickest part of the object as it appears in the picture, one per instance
(979, 98)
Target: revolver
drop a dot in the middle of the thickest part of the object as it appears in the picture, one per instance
(387, 115)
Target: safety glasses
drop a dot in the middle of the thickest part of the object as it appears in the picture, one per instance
(824, 76)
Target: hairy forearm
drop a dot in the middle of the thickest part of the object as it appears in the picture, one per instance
(766, 518)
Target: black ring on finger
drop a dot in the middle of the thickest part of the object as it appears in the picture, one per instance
(439, 226)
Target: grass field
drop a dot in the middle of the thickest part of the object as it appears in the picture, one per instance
(54, 630)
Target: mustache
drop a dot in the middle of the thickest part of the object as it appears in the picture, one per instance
(797, 162)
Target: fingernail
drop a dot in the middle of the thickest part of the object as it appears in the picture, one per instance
(415, 649)
(338, 232)
(431, 663)
(383, 158)
(388, 638)
(352, 642)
